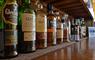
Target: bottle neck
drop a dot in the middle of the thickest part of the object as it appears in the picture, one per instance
(26, 2)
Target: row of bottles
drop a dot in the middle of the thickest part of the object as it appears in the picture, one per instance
(77, 25)
(24, 28)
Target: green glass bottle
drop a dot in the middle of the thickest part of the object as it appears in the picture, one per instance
(9, 35)
(26, 28)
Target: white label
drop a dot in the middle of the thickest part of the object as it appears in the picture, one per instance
(59, 33)
(54, 36)
(29, 36)
(54, 22)
(28, 22)
(41, 23)
(45, 44)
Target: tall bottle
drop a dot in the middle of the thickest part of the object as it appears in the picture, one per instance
(10, 14)
(26, 28)
(72, 30)
(51, 26)
(41, 27)
(59, 34)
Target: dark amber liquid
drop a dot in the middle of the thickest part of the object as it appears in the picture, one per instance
(59, 40)
(65, 35)
(41, 40)
(50, 38)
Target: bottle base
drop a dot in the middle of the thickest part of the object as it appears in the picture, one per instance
(11, 55)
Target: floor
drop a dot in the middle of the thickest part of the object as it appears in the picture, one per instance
(84, 50)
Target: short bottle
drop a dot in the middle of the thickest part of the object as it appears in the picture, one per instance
(26, 28)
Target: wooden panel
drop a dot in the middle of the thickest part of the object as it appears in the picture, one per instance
(75, 8)
(66, 2)
(70, 5)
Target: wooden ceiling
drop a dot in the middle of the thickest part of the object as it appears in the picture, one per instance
(75, 8)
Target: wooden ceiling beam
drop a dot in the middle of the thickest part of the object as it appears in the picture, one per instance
(80, 14)
(65, 2)
(70, 6)
(76, 8)
(77, 11)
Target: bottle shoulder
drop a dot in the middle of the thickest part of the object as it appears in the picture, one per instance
(26, 9)
(41, 13)
(51, 16)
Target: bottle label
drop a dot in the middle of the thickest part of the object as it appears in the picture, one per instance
(59, 33)
(54, 36)
(41, 23)
(10, 37)
(59, 30)
(10, 13)
(51, 25)
(29, 36)
(28, 22)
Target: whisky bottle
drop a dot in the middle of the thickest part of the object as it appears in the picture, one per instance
(26, 28)
(9, 15)
(51, 26)
(41, 27)
(59, 34)
(72, 30)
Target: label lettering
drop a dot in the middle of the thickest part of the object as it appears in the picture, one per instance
(41, 23)
(10, 13)
(28, 22)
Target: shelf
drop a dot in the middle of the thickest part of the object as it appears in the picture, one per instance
(40, 52)
(75, 8)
